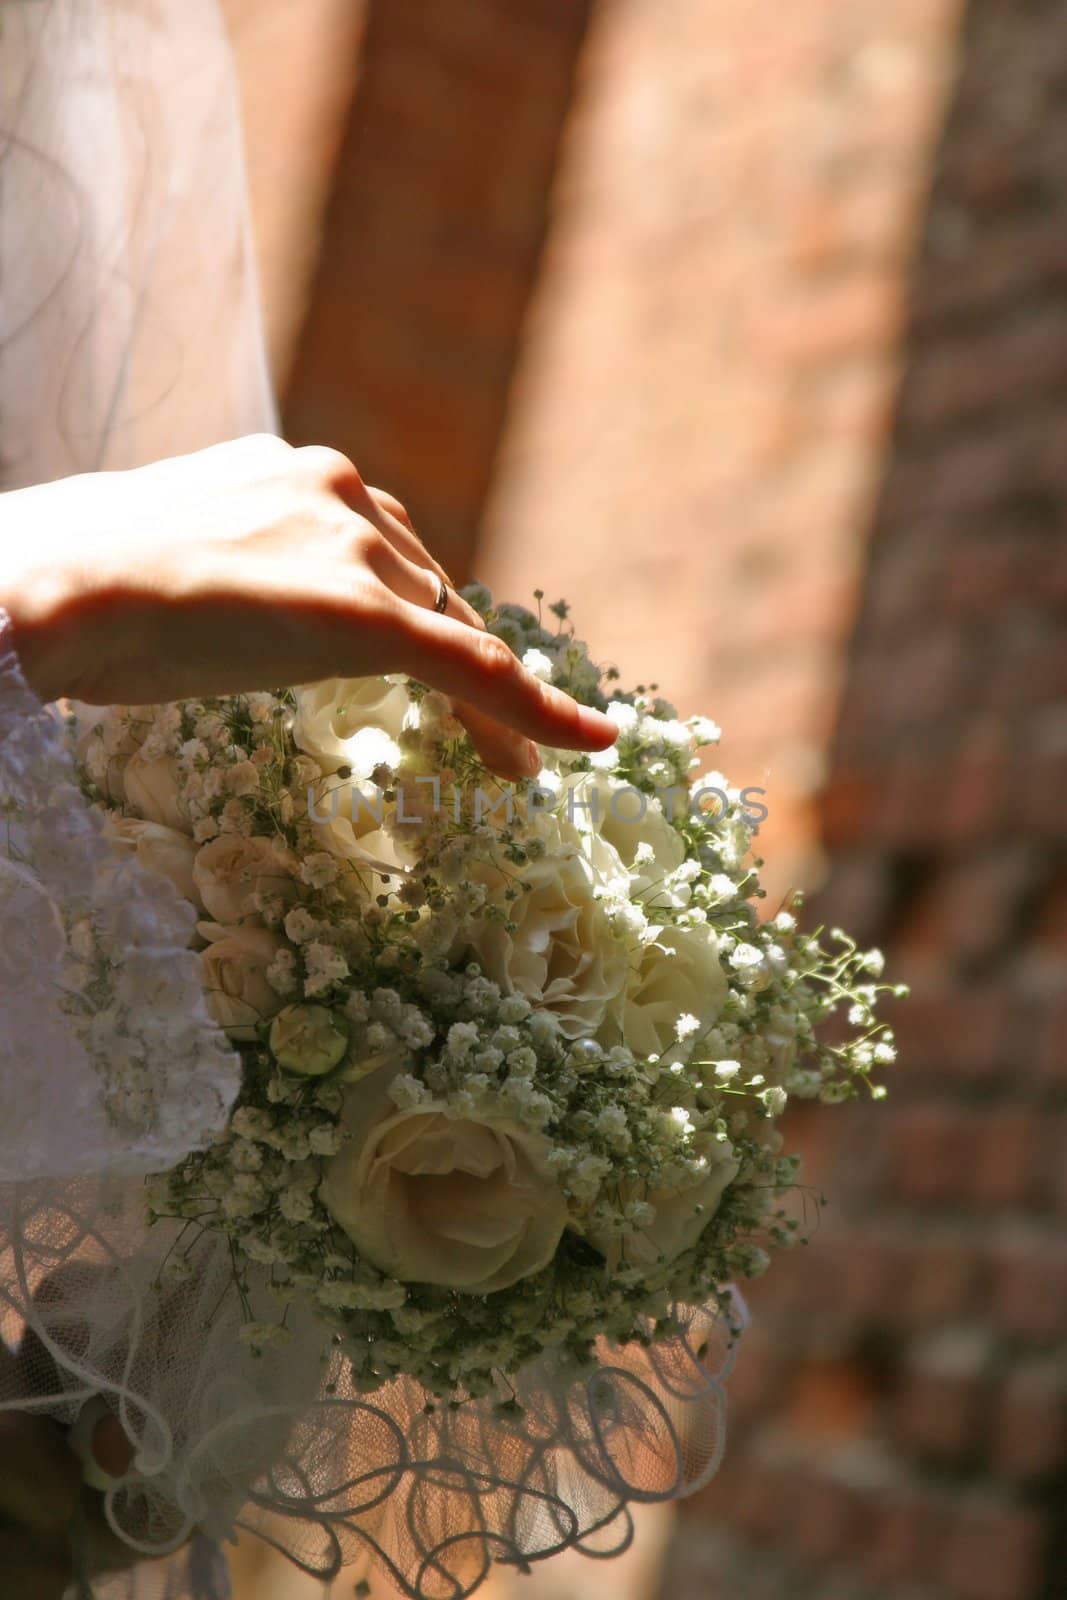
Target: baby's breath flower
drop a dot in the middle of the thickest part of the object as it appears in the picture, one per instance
(300, 925)
(319, 869)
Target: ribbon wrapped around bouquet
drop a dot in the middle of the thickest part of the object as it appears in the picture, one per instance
(449, 1189)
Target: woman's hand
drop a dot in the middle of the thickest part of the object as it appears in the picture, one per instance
(253, 565)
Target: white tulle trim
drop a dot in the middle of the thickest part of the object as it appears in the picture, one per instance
(281, 1445)
(434, 1497)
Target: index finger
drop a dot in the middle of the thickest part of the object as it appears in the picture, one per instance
(478, 667)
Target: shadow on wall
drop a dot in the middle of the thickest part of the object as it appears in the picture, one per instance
(900, 1413)
(431, 246)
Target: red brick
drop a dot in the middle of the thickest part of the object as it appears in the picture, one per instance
(903, 1535)
(993, 171)
(970, 906)
(905, 578)
(822, 1519)
(757, 1506)
(1050, 1049)
(924, 677)
(931, 1148)
(1008, 1157)
(975, 375)
(975, 472)
(995, 1551)
(1029, 1283)
(1016, 256)
(941, 1410)
(909, 800)
(946, 1271)
(1051, 920)
(1029, 664)
(1052, 1170)
(829, 1401)
(1039, 801)
(857, 896)
(872, 1269)
(982, 571)
(978, 798)
(961, 1034)
(1029, 1433)
(847, 804)
(759, 1376)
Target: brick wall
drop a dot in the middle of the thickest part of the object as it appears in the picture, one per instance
(900, 1415)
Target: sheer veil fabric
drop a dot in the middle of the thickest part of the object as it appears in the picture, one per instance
(129, 315)
(130, 329)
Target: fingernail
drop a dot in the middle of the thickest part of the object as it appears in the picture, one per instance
(595, 725)
(532, 759)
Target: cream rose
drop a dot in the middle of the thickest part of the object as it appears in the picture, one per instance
(351, 722)
(231, 870)
(105, 739)
(348, 820)
(235, 976)
(677, 974)
(152, 788)
(431, 1198)
(160, 849)
(597, 810)
(562, 952)
(682, 1211)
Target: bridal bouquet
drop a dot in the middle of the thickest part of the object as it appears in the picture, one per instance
(513, 1056)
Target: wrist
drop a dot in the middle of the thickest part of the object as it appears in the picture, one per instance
(39, 589)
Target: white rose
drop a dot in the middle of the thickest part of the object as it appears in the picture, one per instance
(161, 849)
(153, 789)
(597, 810)
(677, 974)
(235, 976)
(105, 737)
(433, 1198)
(678, 1223)
(230, 870)
(349, 820)
(562, 953)
(351, 722)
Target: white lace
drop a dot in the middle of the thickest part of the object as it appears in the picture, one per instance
(108, 1056)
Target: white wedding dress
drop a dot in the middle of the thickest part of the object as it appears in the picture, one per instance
(130, 330)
